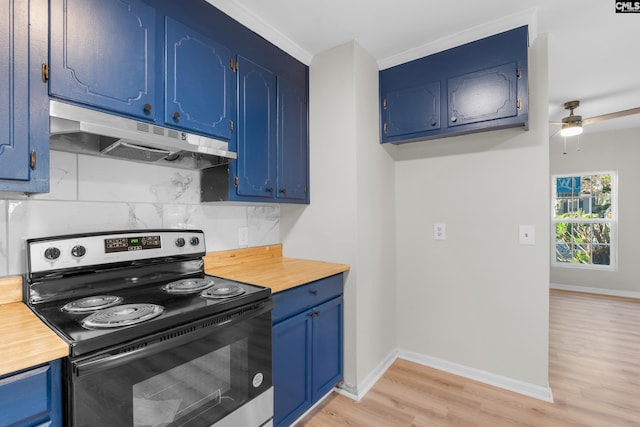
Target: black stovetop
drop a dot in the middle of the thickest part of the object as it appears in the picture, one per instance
(178, 309)
(133, 265)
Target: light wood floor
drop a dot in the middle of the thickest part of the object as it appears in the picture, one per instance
(594, 373)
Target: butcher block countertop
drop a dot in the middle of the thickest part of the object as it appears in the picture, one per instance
(265, 266)
(25, 340)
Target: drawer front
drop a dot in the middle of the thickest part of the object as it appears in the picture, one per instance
(302, 297)
(24, 395)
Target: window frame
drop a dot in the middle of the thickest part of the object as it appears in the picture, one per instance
(612, 221)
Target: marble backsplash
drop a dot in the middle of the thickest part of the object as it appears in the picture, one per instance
(91, 194)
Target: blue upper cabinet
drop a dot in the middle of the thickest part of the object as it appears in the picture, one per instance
(256, 133)
(24, 111)
(293, 152)
(411, 110)
(103, 54)
(489, 94)
(198, 81)
(475, 87)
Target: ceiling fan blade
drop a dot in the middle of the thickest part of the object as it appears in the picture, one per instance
(615, 115)
(556, 123)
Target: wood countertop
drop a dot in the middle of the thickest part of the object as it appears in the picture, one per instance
(265, 266)
(25, 340)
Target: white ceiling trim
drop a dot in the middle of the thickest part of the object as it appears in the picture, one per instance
(527, 17)
(252, 21)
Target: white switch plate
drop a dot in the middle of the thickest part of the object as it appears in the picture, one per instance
(439, 231)
(527, 235)
(243, 236)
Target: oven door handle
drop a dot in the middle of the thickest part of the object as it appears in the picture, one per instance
(156, 345)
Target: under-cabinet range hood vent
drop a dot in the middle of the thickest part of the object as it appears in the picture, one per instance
(81, 130)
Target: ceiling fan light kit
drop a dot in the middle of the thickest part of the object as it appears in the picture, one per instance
(572, 124)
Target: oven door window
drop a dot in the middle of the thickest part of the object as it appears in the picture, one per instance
(193, 380)
(200, 385)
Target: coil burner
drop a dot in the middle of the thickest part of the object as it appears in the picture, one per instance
(223, 291)
(187, 286)
(122, 315)
(92, 303)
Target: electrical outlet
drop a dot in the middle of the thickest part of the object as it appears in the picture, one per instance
(243, 236)
(439, 231)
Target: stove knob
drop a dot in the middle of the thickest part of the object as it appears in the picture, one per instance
(52, 253)
(195, 241)
(78, 251)
(179, 242)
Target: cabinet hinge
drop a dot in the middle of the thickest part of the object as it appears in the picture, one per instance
(231, 125)
(305, 189)
(518, 73)
(384, 128)
(32, 160)
(305, 100)
(384, 103)
(45, 72)
(519, 104)
(235, 181)
(233, 64)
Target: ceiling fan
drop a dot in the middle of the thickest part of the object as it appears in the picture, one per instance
(572, 124)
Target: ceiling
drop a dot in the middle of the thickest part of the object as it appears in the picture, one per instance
(593, 51)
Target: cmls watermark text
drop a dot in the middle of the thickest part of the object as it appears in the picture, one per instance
(628, 7)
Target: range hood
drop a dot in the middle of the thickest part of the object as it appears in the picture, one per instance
(81, 130)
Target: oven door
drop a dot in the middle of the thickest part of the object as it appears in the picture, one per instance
(216, 371)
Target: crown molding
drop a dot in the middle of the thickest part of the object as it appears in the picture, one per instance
(255, 23)
(528, 17)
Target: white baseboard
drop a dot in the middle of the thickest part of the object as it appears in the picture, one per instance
(358, 392)
(598, 291)
(517, 386)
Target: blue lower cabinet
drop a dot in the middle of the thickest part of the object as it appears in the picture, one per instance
(307, 346)
(32, 397)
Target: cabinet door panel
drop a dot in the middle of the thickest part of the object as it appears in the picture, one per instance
(103, 54)
(483, 95)
(256, 131)
(293, 159)
(24, 101)
(327, 347)
(291, 361)
(415, 109)
(14, 90)
(198, 81)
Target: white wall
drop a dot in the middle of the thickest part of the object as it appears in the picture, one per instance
(351, 216)
(478, 299)
(90, 194)
(604, 151)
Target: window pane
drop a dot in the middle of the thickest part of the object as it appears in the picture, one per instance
(582, 253)
(563, 253)
(601, 255)
(601, 233)
(563, 232)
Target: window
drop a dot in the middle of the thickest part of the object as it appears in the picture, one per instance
(584, 220)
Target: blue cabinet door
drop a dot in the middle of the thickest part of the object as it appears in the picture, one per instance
(198, 85)
(410, 110)
(24, 106)
(483, 95)
(291, 368)
(293, 157)
(32, 397)
(103, 54)
(256, 131)
(327, 347)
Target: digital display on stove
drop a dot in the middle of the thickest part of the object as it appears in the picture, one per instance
(124, 244)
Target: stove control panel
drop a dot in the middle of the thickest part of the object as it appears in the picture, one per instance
(84, 250)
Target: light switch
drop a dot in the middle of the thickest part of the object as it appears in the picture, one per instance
(439, 231)
(527, 235)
